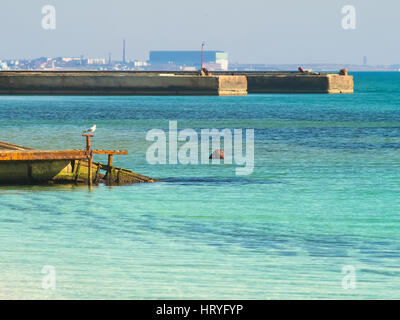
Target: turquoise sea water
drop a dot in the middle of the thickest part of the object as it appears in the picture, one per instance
(325, 193)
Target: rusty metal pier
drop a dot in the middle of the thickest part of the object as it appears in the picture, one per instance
(20, 164)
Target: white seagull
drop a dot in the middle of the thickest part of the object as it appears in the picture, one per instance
(91, 130)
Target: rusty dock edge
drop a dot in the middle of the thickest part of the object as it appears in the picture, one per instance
(21, 165)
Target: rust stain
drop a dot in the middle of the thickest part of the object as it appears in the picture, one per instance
(21, 155)
(110, 152)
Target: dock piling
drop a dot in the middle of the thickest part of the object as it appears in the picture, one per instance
(90, 158)
(109, 171)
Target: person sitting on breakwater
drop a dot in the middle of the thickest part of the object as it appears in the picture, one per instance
(205, 72)
(307, 71)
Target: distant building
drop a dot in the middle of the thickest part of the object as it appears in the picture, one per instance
(139, 63)
(189, 68)
(218, 59)
(365, 61)
(71, 59)
(96, 61)
(3, 65)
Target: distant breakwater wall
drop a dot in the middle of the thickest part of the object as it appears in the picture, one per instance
(170, 83)
(293, 81)
(300, 83)
(118, 83)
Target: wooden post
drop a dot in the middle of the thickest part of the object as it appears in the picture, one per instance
(90, 158)
(109, 172)
(87, 140)
(90, 177)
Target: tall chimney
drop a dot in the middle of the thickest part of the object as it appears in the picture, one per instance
(124, 52)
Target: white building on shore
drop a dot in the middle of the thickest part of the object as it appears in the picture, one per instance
(4, 66)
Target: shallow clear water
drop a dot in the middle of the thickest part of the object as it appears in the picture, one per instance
(325, 193)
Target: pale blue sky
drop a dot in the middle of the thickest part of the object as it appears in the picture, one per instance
(252, 31)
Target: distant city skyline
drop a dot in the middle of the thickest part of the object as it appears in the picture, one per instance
(253, 32)
(173, 61)
(109, 58)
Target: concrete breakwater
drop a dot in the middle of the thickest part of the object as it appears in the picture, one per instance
(118, 83)
(170, 83)
(294, 81)
(299, 83)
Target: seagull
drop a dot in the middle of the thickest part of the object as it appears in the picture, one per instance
(91, 130)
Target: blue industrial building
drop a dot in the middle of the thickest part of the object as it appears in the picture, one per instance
(216, 59)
